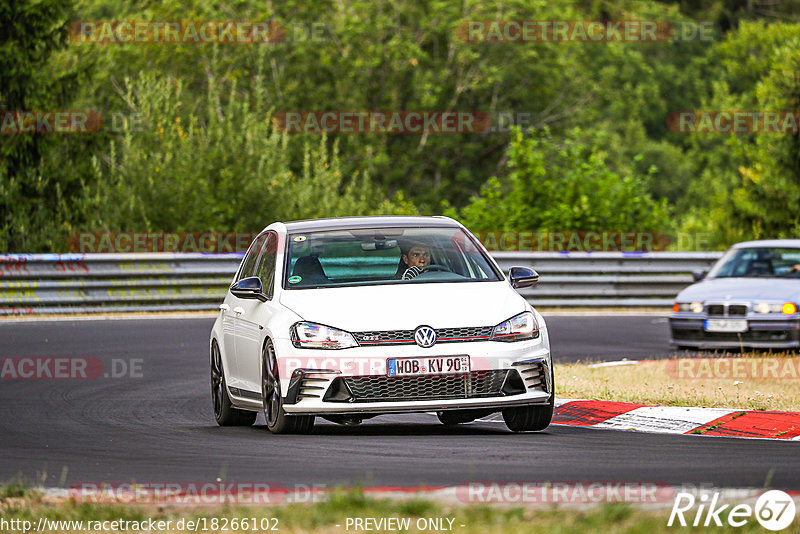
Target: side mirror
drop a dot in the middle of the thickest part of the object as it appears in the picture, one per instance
(699, 274)
(522, 277)
(249, 288)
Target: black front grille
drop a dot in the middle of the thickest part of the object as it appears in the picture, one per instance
(721, 310)
(686, 334)
(464, 334)
(406, 337)
(464, 386)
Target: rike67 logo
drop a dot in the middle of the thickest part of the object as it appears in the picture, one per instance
(774, 510)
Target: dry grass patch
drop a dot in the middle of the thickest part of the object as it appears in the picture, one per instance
(752, 382)
(330, 516)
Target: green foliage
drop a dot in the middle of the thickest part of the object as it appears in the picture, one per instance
(216, 164)
(564, 184)
(203, 154)
(749, 184)
(35, 192)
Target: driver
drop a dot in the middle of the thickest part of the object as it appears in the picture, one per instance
(417, 257)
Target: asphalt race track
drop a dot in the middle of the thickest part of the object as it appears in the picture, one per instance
(159, 427)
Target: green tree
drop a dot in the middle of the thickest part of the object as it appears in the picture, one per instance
(221, 167)
(748, 184)
(34, 202)
(563, 184)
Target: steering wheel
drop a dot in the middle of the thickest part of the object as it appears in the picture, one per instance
(434, 267)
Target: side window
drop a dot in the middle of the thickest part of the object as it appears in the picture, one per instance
(248, 267)
(266, 264)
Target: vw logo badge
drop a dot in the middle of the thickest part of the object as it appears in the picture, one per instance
(425, 336)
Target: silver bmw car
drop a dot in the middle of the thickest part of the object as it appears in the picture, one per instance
(748, 299)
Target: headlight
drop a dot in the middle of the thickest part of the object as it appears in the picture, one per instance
(316, 336)
(786, 308)
(694, 307)
(767, 307)
(519, 327)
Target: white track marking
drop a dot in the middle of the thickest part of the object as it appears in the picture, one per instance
(663, 419)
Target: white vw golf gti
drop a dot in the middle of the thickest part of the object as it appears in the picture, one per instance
(350, 318)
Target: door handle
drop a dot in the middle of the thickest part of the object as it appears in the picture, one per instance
(224, 307)
(238, 310)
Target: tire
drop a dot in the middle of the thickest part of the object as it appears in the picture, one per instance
(531, 418)
(278, 421)
(224, 412)
(458, 417)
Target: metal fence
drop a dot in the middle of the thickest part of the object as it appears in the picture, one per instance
(83, 283)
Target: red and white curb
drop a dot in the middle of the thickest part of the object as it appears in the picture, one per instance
(678, 420)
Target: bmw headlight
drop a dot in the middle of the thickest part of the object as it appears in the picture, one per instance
(316, 336)
(786, 308)
(694, 307)
(519, 327)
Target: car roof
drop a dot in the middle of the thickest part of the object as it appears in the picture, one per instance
(389, 221)
(777, 243)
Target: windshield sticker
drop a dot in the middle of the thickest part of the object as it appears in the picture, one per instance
(295, 279)
(299, 239)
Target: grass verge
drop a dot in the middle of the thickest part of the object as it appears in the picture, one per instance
(746, 381)
(331, 516)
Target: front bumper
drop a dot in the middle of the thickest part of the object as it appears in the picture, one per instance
(764, 331)
(352, 381)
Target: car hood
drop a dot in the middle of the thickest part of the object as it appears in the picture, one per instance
(749, 289)
(406, 306)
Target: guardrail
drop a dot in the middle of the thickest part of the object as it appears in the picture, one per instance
(85, 283)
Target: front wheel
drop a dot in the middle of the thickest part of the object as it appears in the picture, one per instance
(528, 418)
(278, 422)
(224, 412)
(533, 417)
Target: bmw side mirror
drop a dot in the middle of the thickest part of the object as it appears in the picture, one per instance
(249, 288)
(522, 277)
(699, 274)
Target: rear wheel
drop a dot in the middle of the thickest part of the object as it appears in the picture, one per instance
(533, 417)
(224, 412)
(278, 422)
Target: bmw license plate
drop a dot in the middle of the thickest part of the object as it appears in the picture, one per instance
(725, 325)
(438, 365)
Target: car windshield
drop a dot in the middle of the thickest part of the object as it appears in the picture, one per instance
(758, 262)
(384, 256)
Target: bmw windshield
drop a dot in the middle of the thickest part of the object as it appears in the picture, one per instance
(385, 256)
(758, 263)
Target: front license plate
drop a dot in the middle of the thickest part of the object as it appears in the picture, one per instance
(726, 325)
(427, 366)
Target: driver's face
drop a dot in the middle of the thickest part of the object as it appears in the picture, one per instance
(418, 257)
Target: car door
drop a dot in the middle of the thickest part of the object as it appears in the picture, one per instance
(233, 309)
(250, 324)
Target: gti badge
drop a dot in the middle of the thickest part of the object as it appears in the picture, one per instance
(425, 336)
